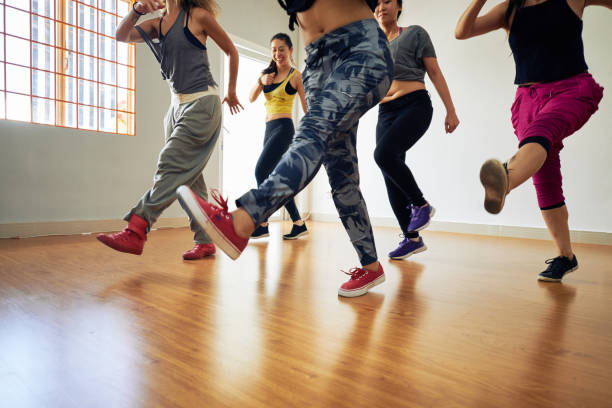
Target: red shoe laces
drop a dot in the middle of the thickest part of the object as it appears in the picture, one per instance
(356, 273)
(219, 199)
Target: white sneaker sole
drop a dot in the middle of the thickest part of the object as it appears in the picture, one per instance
(545, 279)
(416, 251)
(363, 290)
(190, 204)
(301, 234)
(431, 214)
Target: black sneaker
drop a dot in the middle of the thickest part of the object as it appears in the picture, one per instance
(557, 268)
(296, 232)
(260, 232)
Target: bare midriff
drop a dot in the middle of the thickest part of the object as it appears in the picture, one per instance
(326, 15)
(401, 88)
(278, 116)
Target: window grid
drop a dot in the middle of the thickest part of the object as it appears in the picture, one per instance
(83, 96)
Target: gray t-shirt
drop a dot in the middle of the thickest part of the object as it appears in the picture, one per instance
(408, 50)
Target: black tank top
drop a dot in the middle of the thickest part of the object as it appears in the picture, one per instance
(296, 6)
(546, 41)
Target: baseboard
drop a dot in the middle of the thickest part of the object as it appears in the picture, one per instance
(36, 229)
(582, 237)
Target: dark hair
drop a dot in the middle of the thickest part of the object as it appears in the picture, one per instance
(512, 5)
(399, 3)
(272, 68)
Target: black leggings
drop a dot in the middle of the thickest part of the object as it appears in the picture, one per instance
(401, 123)
(278, 137)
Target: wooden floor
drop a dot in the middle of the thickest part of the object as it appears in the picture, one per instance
(464, 324)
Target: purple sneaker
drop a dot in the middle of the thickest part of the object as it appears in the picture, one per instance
(407, 248)
(421, 216)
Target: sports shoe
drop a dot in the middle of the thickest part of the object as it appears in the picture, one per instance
(216, 221)
(408, 247)
(494, 179)
(557, 268)
(296, 232)
(131, 240)
(361, 281)
(199, 251)
(421, 216)
(260, 232)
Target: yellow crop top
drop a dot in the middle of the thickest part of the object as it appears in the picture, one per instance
(279, 97)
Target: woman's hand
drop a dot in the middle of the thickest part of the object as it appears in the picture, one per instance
(268, 79)
(149, 6)
(451, 122)
(232, 102)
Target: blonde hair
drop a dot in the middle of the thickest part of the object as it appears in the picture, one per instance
(209, 5)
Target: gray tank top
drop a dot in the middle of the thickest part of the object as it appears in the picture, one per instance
(408, 50)
(183, 58)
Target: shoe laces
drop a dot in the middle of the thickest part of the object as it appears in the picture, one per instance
(216, 195)
(404, 239)
(356, 273)
(556, 260)
(557, 263)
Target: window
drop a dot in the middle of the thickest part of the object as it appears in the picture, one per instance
(60, 64)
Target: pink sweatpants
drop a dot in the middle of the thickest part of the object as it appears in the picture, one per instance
(553, 111)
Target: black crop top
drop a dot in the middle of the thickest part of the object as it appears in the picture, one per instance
(296, 6)
(546, 42)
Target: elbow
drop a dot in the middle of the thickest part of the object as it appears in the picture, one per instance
(120, 37)
(461, 34)
(232, 53)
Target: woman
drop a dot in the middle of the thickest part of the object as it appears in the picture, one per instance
(348, 71)
(403, 118)
(556, 96)
(280, 82)
(193, 122)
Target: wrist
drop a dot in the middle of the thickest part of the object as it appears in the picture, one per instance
(140, 13)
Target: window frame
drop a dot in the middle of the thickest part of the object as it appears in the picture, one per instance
(58, 68)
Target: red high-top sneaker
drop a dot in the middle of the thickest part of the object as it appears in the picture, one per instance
(361, 281)
(216, 221)
(131, 240)
(199, 251)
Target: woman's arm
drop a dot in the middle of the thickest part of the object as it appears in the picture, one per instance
(299, 85)
(435, 74)
(126, 31)
(212, 29)
(256, 91)
(470, 25)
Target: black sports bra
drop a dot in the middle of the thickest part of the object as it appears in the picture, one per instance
(288, 88)
(192, 38)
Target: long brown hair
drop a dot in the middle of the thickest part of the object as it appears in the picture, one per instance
(209, 5)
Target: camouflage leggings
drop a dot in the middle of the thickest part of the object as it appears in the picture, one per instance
(348, 71)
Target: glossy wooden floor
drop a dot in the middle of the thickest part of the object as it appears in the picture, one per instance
(464, 324)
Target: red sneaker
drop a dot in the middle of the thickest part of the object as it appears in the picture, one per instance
(216, 221)
(131, 240)
(361, 281)
(199, 251)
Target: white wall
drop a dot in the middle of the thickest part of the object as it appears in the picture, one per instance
(480, 73)
(55, 174)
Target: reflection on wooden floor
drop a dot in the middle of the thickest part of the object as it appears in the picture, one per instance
(464, 324)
